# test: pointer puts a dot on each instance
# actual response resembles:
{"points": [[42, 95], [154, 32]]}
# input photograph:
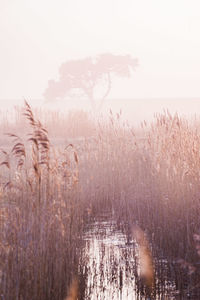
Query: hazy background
{"points": [[36, 36]]}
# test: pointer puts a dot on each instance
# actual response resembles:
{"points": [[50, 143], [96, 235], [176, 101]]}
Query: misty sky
{"points": [[36, 36]]}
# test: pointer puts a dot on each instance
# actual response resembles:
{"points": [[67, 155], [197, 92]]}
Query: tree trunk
{"points": [[106, 93]]}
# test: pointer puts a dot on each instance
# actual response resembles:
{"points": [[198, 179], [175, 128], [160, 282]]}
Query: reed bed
{"points": [[147, 178], [41, 219], [151, 179], [60, 125]]}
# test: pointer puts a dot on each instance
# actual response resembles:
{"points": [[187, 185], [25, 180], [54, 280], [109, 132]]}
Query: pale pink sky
{"points": [[36, 36]]}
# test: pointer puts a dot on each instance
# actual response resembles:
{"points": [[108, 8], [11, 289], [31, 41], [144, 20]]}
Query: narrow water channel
{"points": [[112, 268]]}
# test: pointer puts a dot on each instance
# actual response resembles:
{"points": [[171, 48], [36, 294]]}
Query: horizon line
{"points": [[113, 98]]}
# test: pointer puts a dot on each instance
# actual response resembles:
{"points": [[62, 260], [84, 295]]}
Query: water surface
{"points": [[111, 265]]}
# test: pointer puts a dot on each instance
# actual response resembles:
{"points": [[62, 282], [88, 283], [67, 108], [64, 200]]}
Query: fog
{"points": [[37, 37], [91, 207]]}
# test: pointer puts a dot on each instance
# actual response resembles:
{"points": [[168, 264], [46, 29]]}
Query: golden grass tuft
{"points": [[73, 290], [146, 265]]}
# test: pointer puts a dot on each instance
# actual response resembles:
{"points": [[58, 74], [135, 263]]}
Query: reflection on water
{"points": [[111, 266]]}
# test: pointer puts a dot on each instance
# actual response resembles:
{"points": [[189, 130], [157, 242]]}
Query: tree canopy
{"points": [[85, 75]]}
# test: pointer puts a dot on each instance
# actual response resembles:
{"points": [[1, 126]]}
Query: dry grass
{"points": [[70, 124], [150, 179], [41, 219]]}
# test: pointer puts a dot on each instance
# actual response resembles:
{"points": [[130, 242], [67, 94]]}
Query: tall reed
{"points": [[41, 219]]}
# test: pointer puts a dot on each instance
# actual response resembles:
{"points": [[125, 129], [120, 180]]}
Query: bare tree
{"points": [[89, 74]]}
